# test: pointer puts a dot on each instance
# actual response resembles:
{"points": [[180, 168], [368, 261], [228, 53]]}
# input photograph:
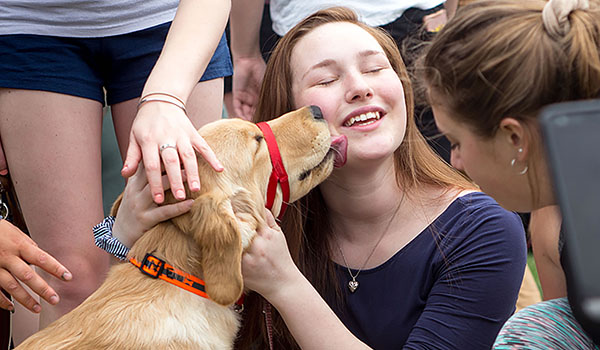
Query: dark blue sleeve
{"points": [[478, 284]]}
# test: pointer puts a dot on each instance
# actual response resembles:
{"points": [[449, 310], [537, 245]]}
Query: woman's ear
{"points": [[516, 134]]}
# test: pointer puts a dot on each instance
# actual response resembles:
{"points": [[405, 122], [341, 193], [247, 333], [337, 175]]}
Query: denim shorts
{"points": [[86, 67]]}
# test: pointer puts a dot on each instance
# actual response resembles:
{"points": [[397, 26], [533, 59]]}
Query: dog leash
{"points": [[278, 175], [268, 322], [158, 268]]}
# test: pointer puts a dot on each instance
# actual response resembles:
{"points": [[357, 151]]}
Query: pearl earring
{"points": [[514, 160]]}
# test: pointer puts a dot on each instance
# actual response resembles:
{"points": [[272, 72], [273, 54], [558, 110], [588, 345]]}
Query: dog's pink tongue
{"points": [[340, 146]]}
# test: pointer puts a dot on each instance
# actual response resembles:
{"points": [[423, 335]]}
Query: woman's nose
{"points": [[358, 88], [456, 161]]}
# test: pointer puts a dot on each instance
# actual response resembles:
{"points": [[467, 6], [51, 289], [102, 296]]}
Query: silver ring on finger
{"points": [[167, 145]]}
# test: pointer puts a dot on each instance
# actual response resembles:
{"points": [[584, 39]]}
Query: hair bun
{"points": [[556, 15]]}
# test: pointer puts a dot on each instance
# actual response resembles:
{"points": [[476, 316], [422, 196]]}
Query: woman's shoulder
{"points": [[475, 211], [474, 201], [451, 207], [476, 222]]}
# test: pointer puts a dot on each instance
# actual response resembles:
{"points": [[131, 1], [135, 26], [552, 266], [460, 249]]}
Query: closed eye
{"points": [[325, 82], [259, 139], [453, 144], [304, 175], [375, 70]]}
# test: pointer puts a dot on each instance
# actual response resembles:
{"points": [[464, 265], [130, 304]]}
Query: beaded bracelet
{"points": [[103, 238], [156, 97]]}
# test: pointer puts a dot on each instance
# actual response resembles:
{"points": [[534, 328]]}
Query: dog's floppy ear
{"points": [[219, 236]]}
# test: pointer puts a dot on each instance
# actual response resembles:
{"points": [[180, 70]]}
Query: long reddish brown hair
{"points": [[306, 223]]}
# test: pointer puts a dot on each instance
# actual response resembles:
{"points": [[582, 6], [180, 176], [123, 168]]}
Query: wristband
{"points": [[160, 97], [103, 237]]}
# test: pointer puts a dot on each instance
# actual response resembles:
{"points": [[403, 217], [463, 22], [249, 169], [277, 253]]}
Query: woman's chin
{"points": [[371, 151], [361, 160]]}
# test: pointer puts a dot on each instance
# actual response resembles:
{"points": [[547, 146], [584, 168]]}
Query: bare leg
{"points": [[52, 145], [25, 322], [228, 102], [205, 104]]}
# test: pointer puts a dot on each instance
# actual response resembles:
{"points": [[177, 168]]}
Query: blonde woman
{"points": [[489, 73]]}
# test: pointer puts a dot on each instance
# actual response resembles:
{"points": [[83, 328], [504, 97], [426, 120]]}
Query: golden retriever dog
{"points": [[133, 311]]}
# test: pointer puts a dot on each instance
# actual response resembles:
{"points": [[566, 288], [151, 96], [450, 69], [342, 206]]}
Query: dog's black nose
{"points": [[316, 112]]}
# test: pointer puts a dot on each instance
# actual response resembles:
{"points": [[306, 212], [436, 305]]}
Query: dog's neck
{"points": [[178, 249]]}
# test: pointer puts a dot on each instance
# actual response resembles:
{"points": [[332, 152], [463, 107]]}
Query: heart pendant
{"points": [[352, 285]]}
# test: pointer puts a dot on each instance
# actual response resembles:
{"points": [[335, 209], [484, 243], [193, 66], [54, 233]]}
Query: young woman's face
{"points": [[487, 161], [342, 69]]}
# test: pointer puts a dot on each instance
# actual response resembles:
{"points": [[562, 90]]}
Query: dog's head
{"points": [[230, 205], [306, 147]]}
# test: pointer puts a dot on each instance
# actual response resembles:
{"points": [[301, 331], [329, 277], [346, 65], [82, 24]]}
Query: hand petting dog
{"points": [[138, 212]]}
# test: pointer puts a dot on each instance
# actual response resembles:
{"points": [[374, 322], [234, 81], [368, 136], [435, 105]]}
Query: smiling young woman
{"points": [[395, 249]]}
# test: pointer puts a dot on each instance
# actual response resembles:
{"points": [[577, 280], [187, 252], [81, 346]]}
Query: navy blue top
{"points": [[451, 287]]}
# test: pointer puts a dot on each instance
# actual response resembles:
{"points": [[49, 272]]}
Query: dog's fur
{"points": [[133, 311]]}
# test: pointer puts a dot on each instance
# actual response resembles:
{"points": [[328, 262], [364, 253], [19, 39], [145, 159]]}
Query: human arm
{"points": [[248, 64], [436, 21], [192, 39], [17, 252], [544, 227], [451, 6], [275, 276]]}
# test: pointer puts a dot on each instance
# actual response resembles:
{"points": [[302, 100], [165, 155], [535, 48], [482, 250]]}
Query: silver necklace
{"points": [[353, 283]]}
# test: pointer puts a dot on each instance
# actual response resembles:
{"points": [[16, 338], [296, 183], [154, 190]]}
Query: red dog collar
{"points": [[157, 268], [278, 175]]}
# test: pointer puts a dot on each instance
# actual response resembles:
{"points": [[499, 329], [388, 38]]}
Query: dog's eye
{"points": [[304, 175], [259, 138]]}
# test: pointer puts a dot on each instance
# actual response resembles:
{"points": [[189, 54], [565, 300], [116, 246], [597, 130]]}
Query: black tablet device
{"points": [[571, 132]]}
